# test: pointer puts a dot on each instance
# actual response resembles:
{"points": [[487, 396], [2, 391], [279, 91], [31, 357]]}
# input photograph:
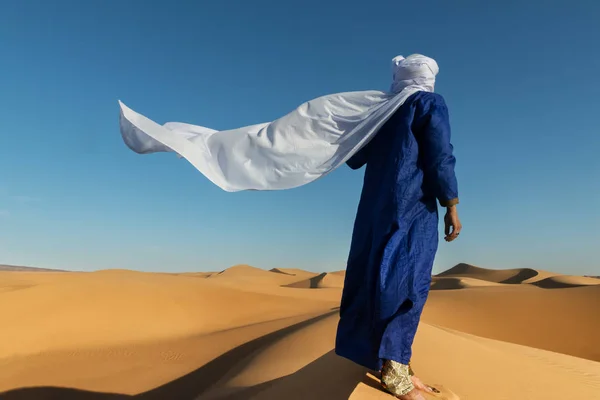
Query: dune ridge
{"points": [[321, 281], [505, 276], [565, 281], [454, 283], [281, 271], [18, 268]]}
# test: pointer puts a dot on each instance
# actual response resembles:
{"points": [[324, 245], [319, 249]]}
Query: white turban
{"points": [[415, 70]]}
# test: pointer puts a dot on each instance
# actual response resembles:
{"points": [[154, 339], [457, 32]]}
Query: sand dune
{"points": [[560, 320], [17, 268], [82, 310], [198, 274], [453, 283], [253, 274], [255, 280], [244, 271], [247, 333], [241, 276], [506, 276], [121, 272], [320, 281], [281, 271], [566, 281], [294, 272]]}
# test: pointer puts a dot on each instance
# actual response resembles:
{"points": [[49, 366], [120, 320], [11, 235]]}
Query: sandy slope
{"points": [[320, 281], [505, 276], [246, 333], [565, 281], [562, 320], [453, 283], [43, 311], [299, 273]]}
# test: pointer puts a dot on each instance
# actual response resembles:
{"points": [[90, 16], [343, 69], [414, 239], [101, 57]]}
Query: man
{"points": [[403, 136], [409, 166]]}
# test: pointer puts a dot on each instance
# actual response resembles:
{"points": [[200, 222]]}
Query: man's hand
{"points": [[452, 224]]}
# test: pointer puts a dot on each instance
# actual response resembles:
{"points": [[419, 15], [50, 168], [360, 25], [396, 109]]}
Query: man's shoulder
{"points": [[430, 99], [426, 103]]}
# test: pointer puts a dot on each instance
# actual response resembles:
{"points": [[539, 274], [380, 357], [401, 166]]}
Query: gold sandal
{"points": [[395, 378]]}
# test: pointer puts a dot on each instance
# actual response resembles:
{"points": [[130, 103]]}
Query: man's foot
{"points": [[396, 379], [414, 394], [399, 380], [420, 385]]}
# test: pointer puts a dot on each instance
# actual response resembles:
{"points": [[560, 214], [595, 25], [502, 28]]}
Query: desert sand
{"points": [[248, 333]]}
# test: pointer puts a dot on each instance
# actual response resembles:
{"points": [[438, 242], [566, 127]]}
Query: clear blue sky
{"points": [[520, 77]]}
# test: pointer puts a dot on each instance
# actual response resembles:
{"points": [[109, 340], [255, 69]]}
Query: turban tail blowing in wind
{"points": [[296, 149]]}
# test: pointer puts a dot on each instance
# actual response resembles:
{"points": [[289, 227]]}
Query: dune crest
{"points": [[18, 268], [298, 274], [197, 274], [321, 281], [452, 283], [566, 281], [505, 276], [281, 271], [117, 271], [243, 270]]}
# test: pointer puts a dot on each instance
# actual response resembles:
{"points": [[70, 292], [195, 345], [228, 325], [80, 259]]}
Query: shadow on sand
{"points": [[329, 377]]}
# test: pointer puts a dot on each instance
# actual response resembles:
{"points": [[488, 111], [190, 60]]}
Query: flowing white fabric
{"points": [[298, 148]]}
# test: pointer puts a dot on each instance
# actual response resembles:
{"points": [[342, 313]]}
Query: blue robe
{"points": [[410, 165]]}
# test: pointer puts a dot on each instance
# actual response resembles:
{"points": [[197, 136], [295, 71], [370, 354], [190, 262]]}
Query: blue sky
{"points": [[520, 78]]}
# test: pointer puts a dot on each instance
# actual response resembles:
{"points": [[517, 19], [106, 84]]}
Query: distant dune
{"points": [[453, 283], [245, 333], [280, 271], [197, 274], [320, 281], [300, 273], [118, 271], [505, 276], [244, 270], [566, 281], [248, 275], [247, 272], [27, 269]]}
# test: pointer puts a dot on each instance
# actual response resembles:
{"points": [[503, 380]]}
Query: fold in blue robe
{"points": [[409, 165]]}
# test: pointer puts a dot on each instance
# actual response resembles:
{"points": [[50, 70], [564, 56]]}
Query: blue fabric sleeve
{"points": [[359, 158], [433, 135]]}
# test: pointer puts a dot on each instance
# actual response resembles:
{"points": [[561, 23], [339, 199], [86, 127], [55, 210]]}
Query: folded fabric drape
{"points": [[298, 148]]}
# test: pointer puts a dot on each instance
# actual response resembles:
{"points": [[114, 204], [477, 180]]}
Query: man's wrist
{"points": [[449, 203]]}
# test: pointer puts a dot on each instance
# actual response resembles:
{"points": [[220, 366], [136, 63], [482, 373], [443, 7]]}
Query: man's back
{"points": [[395, 176]]}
